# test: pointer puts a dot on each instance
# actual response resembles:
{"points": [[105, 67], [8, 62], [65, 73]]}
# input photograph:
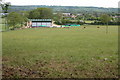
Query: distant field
{"points": [[61, 52], [89, 21], [86, 21]]}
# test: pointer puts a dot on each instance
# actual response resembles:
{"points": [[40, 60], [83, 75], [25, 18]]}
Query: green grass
{"points": [[60, 52]]}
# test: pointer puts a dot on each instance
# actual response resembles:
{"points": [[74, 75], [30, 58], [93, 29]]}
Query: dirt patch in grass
{"points": [[23, 72], [60, 69]]}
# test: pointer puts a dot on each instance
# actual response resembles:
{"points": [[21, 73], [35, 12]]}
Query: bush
{"points": [[11, 28]]}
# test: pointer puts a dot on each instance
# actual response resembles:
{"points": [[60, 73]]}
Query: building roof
{"points": [[40, 19]]}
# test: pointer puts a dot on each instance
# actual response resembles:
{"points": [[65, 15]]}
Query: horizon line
{"points": [[66, 6]]}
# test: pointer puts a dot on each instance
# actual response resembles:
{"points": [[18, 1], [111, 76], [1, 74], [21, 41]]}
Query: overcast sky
{"points": [[95, 3]]}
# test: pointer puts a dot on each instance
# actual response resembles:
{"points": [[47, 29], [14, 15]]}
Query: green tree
{"points": [[41, 13], [57, 18], [24, 13], [105, 19], [34, 14], [14, 19]]}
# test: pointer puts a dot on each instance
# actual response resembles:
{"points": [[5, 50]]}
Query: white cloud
{"points": [[97, 3]]}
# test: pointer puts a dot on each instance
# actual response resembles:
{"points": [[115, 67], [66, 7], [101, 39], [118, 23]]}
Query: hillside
{"points": [[71, 9]]}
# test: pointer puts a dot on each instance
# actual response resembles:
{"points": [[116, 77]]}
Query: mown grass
{"points": [[61, 52]]}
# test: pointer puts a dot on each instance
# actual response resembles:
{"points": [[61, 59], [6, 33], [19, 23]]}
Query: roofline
{"points": [[40, 19]]}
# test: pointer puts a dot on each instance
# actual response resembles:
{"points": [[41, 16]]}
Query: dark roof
{"points": [[40, 19]]}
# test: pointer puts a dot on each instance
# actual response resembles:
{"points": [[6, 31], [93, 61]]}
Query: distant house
{"points": [[69, 15], [79, 14], [66, 14], [73, 16], [40, 23]]}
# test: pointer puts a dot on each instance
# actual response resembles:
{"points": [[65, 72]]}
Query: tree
{"points": [[57, 18], [5, 7], [34, 14], [41, 13], [24, 15], [0, 7], [105, 19], [15, 18]]}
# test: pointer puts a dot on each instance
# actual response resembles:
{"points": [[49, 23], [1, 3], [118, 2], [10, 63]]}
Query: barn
{"points": [[41, 22]]}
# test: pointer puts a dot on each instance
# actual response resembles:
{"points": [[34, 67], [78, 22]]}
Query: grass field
{"points": [[61, 52]]}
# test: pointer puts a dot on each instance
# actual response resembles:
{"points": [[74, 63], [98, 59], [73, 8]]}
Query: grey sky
{"points": [[96, 3]]}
